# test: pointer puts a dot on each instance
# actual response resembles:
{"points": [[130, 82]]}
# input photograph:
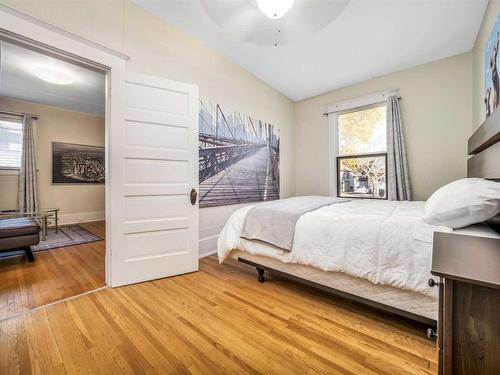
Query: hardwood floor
{"points": [[56, 274], [96, 227], [219, 320]]}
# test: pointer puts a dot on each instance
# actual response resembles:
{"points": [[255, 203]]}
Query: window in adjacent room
{"points": [[362, 152], [11, 142]]}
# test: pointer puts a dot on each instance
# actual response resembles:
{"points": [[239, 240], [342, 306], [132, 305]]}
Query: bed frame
{"points": [[380, 297], [484, 148]]}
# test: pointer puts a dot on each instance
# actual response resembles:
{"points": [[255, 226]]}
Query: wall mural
{"points": [[238, 157], [77, 164], [491, 77]]}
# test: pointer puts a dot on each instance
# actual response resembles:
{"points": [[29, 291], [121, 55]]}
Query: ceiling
{"points": [[18, 80], [365, 39]]}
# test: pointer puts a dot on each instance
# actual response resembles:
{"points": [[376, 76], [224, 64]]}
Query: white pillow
{"points": [[463, 202]]}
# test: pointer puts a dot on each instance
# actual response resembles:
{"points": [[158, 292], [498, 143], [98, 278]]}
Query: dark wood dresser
{"points": [[468, 333]]}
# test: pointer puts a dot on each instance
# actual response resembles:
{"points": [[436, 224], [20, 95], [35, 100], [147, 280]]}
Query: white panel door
{"points": [[158, 221]]}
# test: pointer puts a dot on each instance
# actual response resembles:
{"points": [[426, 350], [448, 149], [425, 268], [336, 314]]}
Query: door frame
{"points": [[31, 32]]}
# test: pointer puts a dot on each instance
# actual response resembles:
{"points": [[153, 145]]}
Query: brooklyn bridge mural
{"points": [[238, 157]]}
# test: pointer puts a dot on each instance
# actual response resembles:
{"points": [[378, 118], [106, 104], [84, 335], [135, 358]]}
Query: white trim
{"points": [[333, 150], [361, 101], [46, 25], [208, 254], [210, 232], [333, 111], [29, 30], [82, 217], [9, 171], [208, 244]]}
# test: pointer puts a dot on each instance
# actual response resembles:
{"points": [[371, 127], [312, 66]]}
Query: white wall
{"points": [[78, 203], [157, 48], [478, 107], [436, 111]]}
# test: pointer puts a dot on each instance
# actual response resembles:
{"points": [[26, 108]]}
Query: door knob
{"points": [[431, 334], [193, 196], [433, 283]]}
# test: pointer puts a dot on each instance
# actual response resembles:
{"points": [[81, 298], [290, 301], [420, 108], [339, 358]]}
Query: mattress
{"points": [[415, 302], [384, 242], [401, 299]]}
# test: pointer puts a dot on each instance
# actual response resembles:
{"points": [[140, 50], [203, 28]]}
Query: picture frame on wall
{"points": [[491, 70], [239, 157], [77, 164]]}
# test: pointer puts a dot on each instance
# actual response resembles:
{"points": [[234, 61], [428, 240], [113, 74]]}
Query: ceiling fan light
{"points": [[275, 8]]}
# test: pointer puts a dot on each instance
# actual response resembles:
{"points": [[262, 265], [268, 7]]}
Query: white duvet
{"points": [[385, 242]]}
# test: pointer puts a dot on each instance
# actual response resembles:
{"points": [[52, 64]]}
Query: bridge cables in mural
{"points": [[239, 157]]}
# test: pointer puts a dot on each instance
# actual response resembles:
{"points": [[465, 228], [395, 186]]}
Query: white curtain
{"points": [[398, 180], [28, 188]]}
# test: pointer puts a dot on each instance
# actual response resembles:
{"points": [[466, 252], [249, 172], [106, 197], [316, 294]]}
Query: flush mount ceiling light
{"points": [[272, 22], [275, 8], [53, 74]]}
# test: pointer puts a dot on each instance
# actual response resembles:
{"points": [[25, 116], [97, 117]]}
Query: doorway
{"points": [[152, 160], [52, 175]]}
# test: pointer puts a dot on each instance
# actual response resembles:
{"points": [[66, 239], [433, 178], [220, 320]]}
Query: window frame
{"points": [[359, 156], [333, 112], [5, 170]]}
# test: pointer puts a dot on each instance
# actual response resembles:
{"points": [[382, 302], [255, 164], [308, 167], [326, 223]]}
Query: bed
{"points": [[374, 252]]}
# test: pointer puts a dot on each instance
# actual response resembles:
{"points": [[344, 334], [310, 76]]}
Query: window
{"points": [[11, 142], [362, 152]]}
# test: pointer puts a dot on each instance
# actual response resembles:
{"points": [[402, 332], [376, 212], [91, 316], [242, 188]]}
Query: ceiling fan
{"points": [[272, 22]]}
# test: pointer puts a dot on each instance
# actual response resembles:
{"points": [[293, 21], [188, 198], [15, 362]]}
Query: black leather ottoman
{"points": [[19, 234]]}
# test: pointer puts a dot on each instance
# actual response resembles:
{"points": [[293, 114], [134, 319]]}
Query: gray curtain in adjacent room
{"points": [[28, 188], [398, 181]]}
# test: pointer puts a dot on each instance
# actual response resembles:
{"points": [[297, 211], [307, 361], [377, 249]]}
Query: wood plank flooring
{"points": [[56, 274], [219, 320]]}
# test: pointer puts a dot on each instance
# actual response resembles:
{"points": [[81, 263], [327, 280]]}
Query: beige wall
{"points": [[478, 107], [436, 110], [78, 203], [159, 49], [436, 103]]}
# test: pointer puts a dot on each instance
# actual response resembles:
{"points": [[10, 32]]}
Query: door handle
{"points": [[193, 196]]}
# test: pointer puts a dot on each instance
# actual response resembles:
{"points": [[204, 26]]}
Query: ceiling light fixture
{"points": [[275, 8], [53, 75], [246, 20]]}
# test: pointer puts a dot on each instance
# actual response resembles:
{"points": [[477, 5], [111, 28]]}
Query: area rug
{"points": [[67, 235]]}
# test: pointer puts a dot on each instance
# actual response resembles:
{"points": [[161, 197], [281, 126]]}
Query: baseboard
{"points": [[208, 254], [208, 245], [82, 217], [206, 233]]}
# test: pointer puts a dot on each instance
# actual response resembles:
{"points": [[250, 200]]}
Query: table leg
{"points": [[57, 227], [44, 228]]}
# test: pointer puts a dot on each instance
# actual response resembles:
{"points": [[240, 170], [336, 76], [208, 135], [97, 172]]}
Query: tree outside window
{"points": [[362, 153]]}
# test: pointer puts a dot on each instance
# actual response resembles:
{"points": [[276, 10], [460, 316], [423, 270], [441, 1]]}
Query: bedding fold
{"points": [[385, 242], [274, 222]]}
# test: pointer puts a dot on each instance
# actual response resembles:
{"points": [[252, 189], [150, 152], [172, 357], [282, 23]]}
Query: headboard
{"points": [[484, 146]]}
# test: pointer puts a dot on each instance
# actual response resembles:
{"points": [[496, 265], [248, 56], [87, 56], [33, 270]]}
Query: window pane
{"points": [[362, 177], [363, 131], [11, 140]]}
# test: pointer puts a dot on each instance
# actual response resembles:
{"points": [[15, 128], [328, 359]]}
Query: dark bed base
{"points": [[351, 297]]}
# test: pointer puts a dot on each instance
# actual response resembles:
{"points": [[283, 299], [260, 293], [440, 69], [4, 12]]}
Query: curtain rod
{"points": [[19, 114], [329, 113]]}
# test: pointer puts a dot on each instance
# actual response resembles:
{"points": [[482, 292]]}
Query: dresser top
{"points": [[472, 259]]}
